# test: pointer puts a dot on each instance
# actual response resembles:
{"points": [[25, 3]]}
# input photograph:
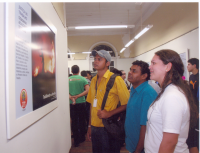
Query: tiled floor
{"points": [[86, 147]]}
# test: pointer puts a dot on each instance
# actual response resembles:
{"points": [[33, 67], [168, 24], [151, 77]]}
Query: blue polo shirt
{"points": [[136, 113]]}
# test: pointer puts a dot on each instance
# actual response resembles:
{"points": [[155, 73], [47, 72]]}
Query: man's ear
{"points": [[144, 76], [107, 63]]}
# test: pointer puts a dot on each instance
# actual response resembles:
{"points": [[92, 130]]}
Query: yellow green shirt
{"points": [[118, 92]]}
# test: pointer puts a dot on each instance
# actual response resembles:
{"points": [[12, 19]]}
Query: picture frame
{"points": [[20, 93]]}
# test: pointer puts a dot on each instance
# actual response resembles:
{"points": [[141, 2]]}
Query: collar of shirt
{"points": [[139, 88], [105, 75]]}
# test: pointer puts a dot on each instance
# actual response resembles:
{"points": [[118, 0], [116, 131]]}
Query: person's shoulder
{"points": [[83, 79], [71, 77], [149, 89], [192, 75], [173, 91], [119, 78]]}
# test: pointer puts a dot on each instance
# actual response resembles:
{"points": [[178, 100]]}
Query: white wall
{"points": [[83, 64], [51, 134], [180, 45]]}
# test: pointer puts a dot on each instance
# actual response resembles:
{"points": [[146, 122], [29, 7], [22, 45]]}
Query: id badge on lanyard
{"points": [[95, 102], [95, 99]]}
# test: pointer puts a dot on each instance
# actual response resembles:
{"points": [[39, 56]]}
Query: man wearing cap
{"points": [[102, 141]]}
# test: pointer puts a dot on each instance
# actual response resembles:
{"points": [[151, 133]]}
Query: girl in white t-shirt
{"points": [[173, 111]]}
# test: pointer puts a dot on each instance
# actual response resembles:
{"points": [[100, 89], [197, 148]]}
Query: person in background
{"points": [[102, 141], [124, 78], [84, 74], [89, 75], [87, 105], [116, 71], [78, 88], [193, 67], [141, 97], [155, 86], [193, 138], [170, 115]]}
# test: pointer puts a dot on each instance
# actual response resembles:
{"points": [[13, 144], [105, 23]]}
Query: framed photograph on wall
{"points": [[30, 67]]}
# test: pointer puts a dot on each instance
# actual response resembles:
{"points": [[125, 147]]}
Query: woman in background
{"points": [[174, 110]]}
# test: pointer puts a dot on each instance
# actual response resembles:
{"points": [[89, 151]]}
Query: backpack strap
{"points": [[108, 87]]}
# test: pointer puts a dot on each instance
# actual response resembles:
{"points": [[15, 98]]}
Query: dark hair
{"points": [[83, 73], [88, 72], [75, 69], [116, 71], [108, 65], [175, 76], [122, 72], [144, 67], [194, 61]]}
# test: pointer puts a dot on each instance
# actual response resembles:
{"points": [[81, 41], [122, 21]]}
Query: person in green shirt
{"points": [[78, 88]]}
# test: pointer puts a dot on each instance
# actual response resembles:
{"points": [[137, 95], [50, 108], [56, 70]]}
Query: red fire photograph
{"points": [[43, 63]]}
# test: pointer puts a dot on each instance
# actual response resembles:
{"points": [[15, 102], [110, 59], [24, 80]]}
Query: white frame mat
{"points": [[16, 125]]}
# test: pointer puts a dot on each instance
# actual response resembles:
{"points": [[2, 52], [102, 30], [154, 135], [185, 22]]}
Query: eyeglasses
{"points": [[123, 73]]}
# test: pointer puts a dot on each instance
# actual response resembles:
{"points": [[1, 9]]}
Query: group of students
{"points": [[155, 123]]}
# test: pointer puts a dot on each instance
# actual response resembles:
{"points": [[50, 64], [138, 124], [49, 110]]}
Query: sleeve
{"points": [[122, 90], [172, 110], [89, 95], [85, 82], [146, 102]]}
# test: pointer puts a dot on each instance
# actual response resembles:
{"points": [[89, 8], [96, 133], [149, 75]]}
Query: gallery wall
{"points": [[50, 134], [170, 21], [182, 44]]}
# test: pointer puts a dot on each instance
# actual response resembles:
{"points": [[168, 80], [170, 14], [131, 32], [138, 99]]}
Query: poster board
{"points": [[184, 58], [30, 67]]}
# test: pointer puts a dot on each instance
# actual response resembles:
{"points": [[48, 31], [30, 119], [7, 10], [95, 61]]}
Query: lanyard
{"points": [[96, 88]]}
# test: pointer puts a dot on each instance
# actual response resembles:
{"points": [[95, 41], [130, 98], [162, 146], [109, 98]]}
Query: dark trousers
{"points": [[87, 114], [103, 142], [77, 114], [193, 137]]}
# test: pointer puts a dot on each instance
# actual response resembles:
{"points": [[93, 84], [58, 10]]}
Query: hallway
{"points": [[86, 147]]}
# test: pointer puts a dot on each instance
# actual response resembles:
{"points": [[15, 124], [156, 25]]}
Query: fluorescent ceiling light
{"points": [[122, 50], [129, 43], [70, 53], [101, 27], [86, 52], [143, 31]]}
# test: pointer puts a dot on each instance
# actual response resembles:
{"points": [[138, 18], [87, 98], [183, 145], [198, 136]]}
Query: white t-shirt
{"points": [[169, 114]]}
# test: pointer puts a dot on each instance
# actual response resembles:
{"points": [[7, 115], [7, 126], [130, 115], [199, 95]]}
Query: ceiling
{"points": [[95, 13], [170, 20]]}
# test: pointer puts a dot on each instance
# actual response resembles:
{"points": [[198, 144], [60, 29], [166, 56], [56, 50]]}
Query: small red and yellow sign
{"points": [[23, 98]]}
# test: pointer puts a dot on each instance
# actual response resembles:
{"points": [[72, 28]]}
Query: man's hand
{"points": [[89, 133], [103, 114], [75, 97], [72, 98]]}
